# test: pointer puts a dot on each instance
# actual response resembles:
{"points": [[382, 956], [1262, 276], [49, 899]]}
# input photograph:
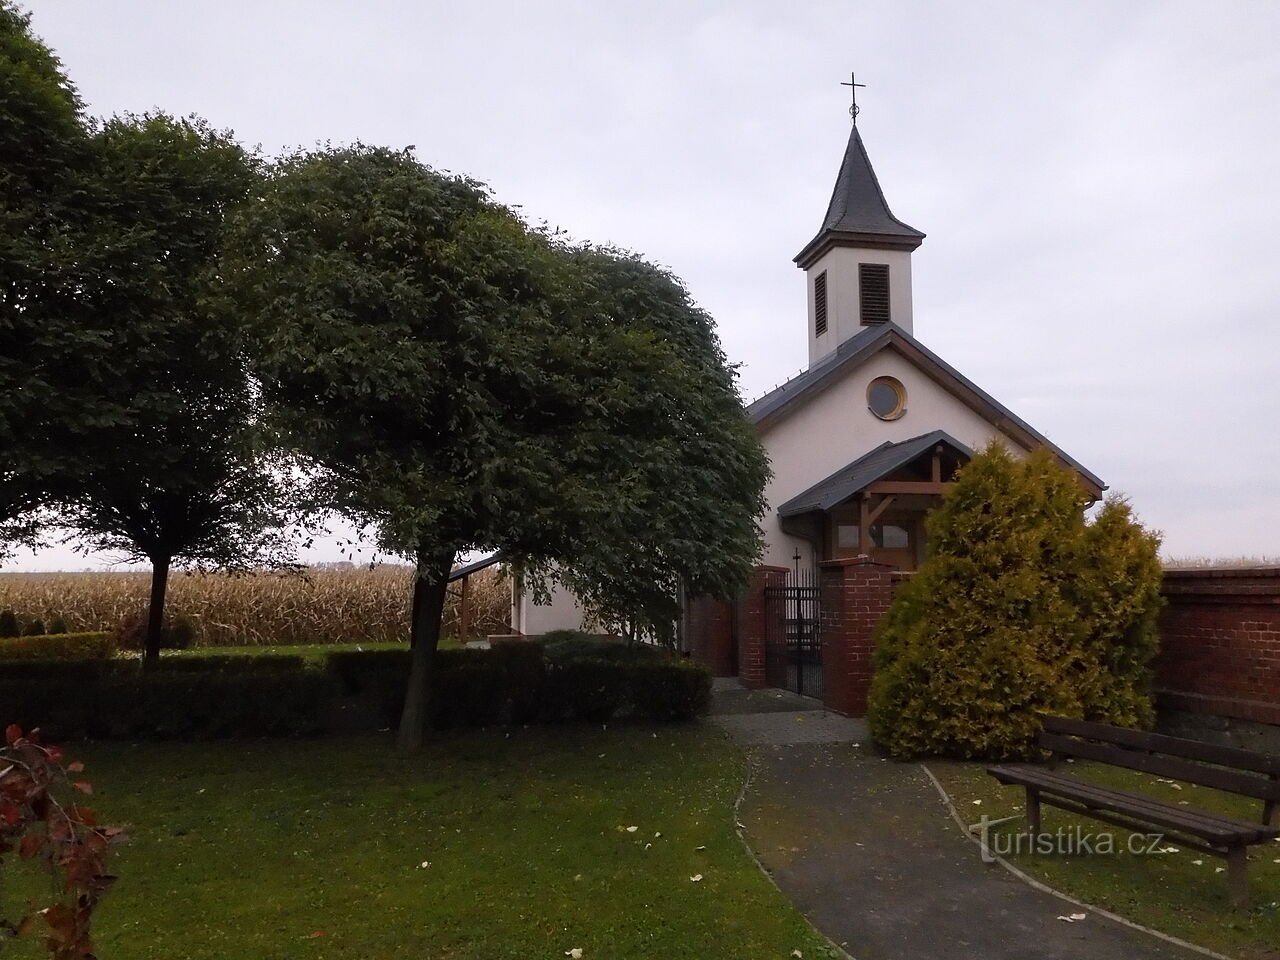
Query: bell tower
{"points": [[858, 266]]}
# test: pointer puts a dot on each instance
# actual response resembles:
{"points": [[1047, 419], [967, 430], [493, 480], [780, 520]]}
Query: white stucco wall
{"points": [[835, 428], [532, 619], [841, 266]]}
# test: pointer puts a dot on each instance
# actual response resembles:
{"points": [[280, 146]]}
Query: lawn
{"points": [[1181, 893], [492, 844]]}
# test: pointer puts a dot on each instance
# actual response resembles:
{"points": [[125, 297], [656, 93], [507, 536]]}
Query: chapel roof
{"points": [[784, 400], [867, 469], [858, 213]]}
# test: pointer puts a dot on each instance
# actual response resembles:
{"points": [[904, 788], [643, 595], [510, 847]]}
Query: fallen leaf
{"points": [[315, 935], [1198, 863], [575, 953], [696, 878], [1078, 916], [632, 829], [797, 954]]}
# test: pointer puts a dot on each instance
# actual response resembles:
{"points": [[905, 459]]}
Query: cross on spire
{"points": [[853, 86]]}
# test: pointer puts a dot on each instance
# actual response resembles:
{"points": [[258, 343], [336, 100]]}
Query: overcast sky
{"points": [[1099, 182]]}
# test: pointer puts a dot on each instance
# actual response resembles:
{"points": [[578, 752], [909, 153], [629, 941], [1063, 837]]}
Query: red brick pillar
{"points": [[710, 634], [856, 592], [751, 624]]}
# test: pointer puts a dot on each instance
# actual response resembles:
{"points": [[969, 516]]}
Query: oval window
{"points": [[886, 398]]}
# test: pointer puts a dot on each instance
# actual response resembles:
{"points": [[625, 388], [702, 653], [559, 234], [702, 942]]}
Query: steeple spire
{"points": [[858, 214]]}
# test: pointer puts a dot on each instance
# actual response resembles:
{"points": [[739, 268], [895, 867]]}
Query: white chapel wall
{"points": [[835, 428], [533, 619]]}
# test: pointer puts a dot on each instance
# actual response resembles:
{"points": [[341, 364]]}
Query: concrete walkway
{"points": [[868, 851]]}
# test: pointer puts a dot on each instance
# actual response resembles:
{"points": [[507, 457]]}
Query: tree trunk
{"points": [[429, 589], [415, 606], [155, 612]]}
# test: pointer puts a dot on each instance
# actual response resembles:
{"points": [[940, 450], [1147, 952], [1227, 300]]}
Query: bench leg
{"points": [[1033, 811], [1238, 877]]}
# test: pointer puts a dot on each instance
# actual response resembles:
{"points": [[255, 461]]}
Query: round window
{"points": [[887, 398]]}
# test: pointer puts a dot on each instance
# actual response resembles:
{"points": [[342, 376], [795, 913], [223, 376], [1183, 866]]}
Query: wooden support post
{"points": [[864, 526], [1033, 811], [1238, 877], [464, 613], [937, 464], [881, 507]]}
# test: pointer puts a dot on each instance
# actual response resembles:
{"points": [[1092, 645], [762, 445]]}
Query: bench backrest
{"points": [[1247, 773]]}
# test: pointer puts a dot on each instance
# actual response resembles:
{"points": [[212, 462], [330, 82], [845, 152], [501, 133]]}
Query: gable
{"points": [[939, 397]]}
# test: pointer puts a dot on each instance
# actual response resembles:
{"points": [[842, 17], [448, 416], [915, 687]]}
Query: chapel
{"points": [[863, 442]]}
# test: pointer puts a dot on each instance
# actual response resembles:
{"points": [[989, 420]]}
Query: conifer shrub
{"points": [[34, 628], [1022, 607], [57, 625]]}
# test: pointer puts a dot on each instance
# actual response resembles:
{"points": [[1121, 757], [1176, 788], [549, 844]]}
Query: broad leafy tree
{"points": [[447, 374], [669, 446], [177, 469], [43, 234]]}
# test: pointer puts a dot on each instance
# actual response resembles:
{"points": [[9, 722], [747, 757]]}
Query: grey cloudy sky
{"points": [[1098, 181]]}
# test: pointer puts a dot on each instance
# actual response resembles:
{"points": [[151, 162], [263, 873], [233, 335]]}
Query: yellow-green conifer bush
{"points": [[1021, 607]]}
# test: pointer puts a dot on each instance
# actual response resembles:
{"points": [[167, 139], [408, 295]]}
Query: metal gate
{"points": [[793, 644]]}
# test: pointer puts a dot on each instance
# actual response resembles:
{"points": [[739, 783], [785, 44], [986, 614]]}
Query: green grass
{"points": [[1169, 892], [316, 849]]}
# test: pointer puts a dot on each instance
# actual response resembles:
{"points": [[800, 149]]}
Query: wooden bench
{"points": [[1229, 769]]}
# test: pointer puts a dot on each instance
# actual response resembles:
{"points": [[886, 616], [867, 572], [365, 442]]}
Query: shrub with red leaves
{"points": [[38, 820]]}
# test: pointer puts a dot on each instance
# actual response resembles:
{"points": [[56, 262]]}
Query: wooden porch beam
{"points": [[881, 507], [908, 486]]}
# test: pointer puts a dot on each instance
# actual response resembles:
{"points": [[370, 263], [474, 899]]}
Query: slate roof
{"points": [[865, 344], [858, 211], [866, 470]]}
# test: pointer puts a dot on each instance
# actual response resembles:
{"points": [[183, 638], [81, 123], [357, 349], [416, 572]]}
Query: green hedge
{"points": [[174, 705], [56, 646], [244, 696]]}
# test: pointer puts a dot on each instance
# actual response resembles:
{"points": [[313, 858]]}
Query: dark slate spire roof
{"points": [[858, 213]]}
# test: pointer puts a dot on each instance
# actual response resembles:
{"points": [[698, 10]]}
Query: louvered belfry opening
{"points": [[820, 304], [873, 292]]}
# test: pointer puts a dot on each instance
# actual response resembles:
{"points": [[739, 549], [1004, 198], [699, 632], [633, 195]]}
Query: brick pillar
{"points": [[710, 635], [856, 592], [751, 624]]}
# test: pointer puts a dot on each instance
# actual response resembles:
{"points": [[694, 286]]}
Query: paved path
{"points": [[866, 848]]}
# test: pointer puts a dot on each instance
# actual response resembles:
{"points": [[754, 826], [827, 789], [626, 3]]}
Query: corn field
{"points": [[318, 605]]}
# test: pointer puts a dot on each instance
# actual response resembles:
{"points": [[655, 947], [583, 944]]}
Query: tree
{"points": [[43, 153], [176, 468], [1021, 607], [435, 361], [681, 464]]}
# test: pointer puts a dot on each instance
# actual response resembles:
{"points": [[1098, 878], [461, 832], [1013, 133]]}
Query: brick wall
{"points": [[750, 623], [1220, 643], [856, 592], [709, 633]]}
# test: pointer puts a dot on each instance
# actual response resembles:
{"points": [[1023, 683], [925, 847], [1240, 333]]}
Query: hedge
{"points": [[51, 646], [224, 696], [174, 705]]}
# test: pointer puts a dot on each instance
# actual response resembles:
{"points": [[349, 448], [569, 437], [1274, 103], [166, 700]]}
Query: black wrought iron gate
{"points": [[793, 643]]}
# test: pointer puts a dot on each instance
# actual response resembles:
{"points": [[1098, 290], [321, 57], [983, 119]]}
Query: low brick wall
{"points": [[1220, 643], [709, 634]]}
